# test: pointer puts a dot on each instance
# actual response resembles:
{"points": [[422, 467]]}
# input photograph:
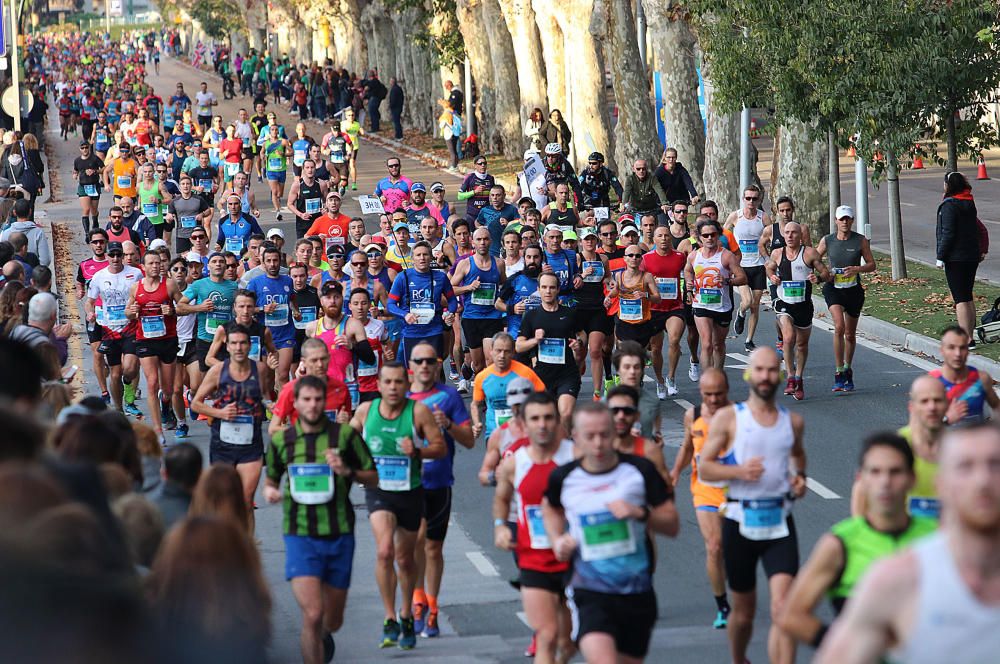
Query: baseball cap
{"points": [[518, 391], [570, 235], [192, 257], [418, 186], [335, 250], [629, 228], [334, 193], [331, 287], [84, 144], [587, 232], [373, 246], [115, 247], [157, 243], [844, 211], [275, 232], [437, 186], [399, 225]]}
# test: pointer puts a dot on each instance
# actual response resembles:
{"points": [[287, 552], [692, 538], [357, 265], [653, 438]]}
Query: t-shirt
{"points": [[186, 211], [80, 165], [490, 386], [437, 473], [396, 193], [337, 399], [333, 229], [277, 290], [204, 102], [554, 356], [222, 294], [112, 290]]}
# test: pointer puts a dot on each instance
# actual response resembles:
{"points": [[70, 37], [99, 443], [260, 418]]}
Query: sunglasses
{"points": [[642, 168], [611, 234], [98, 241], [751, 198], [178, 269], [424, 360], [633, 255], [353, 264], [199, 237], [393, 165], [627, 410], [115, 254], [524, 390], [374, 254], [708, 235]]}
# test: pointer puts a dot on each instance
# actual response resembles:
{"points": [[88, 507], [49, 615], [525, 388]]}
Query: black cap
{"points": [[84, 144], [331, 287], [335, 250], [115, 247]]}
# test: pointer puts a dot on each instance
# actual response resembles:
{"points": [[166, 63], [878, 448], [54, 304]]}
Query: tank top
{"points": [[245, 429], [709, 282], [668, 274], [310, 199], [795, 287], [257, 332], [396, 471], [970, 390], [563, 263], [274, 156], [534, 551], [676, 241], [368, 373], [567, 217], [761, 502], [148, 204], [777, 239], [633, 308], [124, 178], [152, 323], [699, 434], [748, 232], [341, 357], [923, 498], [844, 253], [591, 293], [949, 618], [478, 304], [121, 236]]}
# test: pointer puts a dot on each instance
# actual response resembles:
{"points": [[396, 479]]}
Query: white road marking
{"points": [[684, 403], [523, 617], [482, 563], [820, 490]]}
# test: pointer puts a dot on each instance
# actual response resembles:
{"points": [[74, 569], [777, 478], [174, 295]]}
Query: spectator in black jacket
{"points": [[375, 92], [958, 245], [396, 98], [675, 179]]}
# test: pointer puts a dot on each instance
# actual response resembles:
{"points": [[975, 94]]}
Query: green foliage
{"points": [[218, 18], [443, 41], [881, 71]]}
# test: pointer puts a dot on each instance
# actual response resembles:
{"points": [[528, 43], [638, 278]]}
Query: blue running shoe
{"points": [[408, 637], [131, 409], [419, 611], [431, 628], [838, 381], [181, 433], [721, 620], [390, 633], [849, 380]]}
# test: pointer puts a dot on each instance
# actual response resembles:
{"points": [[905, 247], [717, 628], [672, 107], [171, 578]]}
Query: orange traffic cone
{"points": [[981, 175], [851, 152], [753, 127], [918, 161]]}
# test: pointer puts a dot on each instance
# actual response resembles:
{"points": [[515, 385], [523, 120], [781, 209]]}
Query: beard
{"points": [[764, 390], [532, 271]]}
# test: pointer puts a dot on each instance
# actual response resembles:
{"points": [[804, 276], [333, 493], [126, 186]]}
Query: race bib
{"points": [[601, 213], [366, 369], [278, 317], [924, 506], [605, 536], [312, 205], [749, 246], [254, 353], [424, 311], [100, 138], [630, 310], [710, 296], [536, 528], [330, 241], [298, 157], [552, 351], [124, 182], [308, 316], [763, 519], [90, 190], [213, 319], [485, 295], [205, 184], [793, 292], [667, 287], [114, 316], [393, 473], [597, 275], [311, 483], [153, 327], [232, 169], [275, 164], [237, 431], [235, 245], [150, 209], [337, 158], [99, 318], [189, 221], [501, 415], [842, 280]]}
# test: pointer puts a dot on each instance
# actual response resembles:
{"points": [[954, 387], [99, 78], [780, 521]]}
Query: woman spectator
{"points": [[958, 246], [10, 314], [220, 493], [208, 595], [555, 130], [151, 456], [20, 312], [533, 130], [451, 131]]}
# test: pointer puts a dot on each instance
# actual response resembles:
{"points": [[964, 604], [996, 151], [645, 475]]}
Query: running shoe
{"points": [[849, 380], [740, 323], [721, 620], [329, 648], [130, 409], [431, 628], [790, 386], [354, 187], [838, 382], [181, 433], [597, 396], [671, 387], [799, 393], [749, 346], [419, 611], [694, 372], [661, 391], [408, 636], [532, 647], [106, 398], [390, 633], [463, 386], [609, 384]]}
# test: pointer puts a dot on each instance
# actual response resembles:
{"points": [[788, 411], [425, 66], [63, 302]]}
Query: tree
{"points": [[218, 18]]}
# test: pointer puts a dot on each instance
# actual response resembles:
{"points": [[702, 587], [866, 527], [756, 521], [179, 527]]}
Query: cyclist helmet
{"points": [[553, 148], [596, 156]]}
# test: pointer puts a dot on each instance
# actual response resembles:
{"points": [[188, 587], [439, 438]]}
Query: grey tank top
{"points": [[843, 253]]}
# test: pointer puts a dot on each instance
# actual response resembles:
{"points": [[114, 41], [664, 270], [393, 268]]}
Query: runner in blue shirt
{"points": [[520, 292], [278, 311], [416, 298], [495, 217], [236, 228], [212, 299]]}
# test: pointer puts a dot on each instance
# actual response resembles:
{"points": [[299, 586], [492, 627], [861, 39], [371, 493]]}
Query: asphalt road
{"points": [[480, 620]]}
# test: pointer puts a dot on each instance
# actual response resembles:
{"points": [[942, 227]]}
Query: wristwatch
{"points": [[499, 522]]}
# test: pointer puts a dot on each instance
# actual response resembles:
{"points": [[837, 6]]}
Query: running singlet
{"points": [[534, 551], [970, 390], [711, 291], [705, 495], [923, 497], [113, 291], [153, 323], [747, 233], [844, 253], [396, 471], [244, 429], [795, 287], [478, 304]]}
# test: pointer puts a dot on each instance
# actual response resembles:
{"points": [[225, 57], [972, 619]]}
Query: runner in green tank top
{"points": [[842, 556], [400, 433], [352, 128], [150, 196]]}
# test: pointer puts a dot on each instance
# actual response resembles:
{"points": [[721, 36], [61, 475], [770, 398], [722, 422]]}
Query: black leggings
{"points": [[961, 276]]}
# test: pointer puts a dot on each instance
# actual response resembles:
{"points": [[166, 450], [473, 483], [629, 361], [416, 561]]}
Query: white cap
{"points": [[192, 257], [157, 243], [276, 232], [844, 211]]}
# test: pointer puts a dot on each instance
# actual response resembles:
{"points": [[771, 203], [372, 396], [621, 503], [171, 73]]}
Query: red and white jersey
{"points": [[377, 335], [534, 551]]}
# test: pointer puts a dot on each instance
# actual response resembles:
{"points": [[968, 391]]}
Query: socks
{"points": [[419, 597], [607, 366], [432, 604], [95, 221], [722, 603]]}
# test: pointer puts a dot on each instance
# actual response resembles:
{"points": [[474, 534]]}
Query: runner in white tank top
{"points": [[747, 233], [939, 601]]}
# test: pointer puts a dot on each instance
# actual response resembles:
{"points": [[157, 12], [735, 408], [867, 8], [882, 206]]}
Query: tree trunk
{"points": [[635, 133], [470, 22], [349, 43], [520, 19], [722, 170], [587, 113], [506, 135], [382, 47], [674, 49], [802, 174], [553, 53], [952, 131], [896, 251]]}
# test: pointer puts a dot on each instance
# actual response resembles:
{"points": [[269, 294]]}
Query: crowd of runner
{"points": [[355, 355]]}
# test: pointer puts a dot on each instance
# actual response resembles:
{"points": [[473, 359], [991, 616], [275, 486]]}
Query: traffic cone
{"points": [[851, 152], [981, 175], [918, 161]]}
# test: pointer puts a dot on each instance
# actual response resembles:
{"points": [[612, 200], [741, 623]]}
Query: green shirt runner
{"points": [[396, 471]]}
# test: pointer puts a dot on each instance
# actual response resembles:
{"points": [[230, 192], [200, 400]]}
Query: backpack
{"points": [[989, 331]]}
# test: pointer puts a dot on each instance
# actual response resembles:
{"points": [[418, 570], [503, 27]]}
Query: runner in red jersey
{"points": [[666, 264], [98, 240]]}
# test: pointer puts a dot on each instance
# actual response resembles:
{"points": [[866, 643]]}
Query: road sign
{"points": [[371, 205], [9, 102]]}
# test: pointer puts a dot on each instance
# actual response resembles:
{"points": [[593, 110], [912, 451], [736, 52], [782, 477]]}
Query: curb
{"points": [[879, 330]]}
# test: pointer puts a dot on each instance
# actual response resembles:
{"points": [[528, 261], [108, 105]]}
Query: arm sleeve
{"points": [[457, 412], [363, 351], [221, 239]]}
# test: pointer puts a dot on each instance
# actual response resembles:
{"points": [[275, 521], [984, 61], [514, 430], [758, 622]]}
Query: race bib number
{"points": [[312, 205], [235, 245], [124, 181], [114, 316], [311, 483], [424, 311], [232, 169], [667, 287], [90, 190], [843, 280], [308, 316], [150, 209], [630, 310], [749, 246], [153, 327], [597, 275], [254, 353], [330, 241], [237, 431], [371, 205], [275, 164], [763, 519], [536, 528], [189, 221], [367, 369], [710, 296], [205, 184], [278, 317], [552, 351], [213, 319], [485, 295], [393, 473], [924, 506], [601, 213], [100, 138], [793, 292], [501, 415], [298, 157], [605, 536]]}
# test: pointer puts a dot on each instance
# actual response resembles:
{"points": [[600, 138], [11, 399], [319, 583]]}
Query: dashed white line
{"points": [[821, 490], [523, 617], [482, 563], [684, 403]]}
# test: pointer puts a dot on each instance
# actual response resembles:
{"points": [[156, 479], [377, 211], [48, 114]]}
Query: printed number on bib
{"points": [[189, 221], [842, 280], [748, 246], [254, 353], [552, 351], [605, 536], [485, 295], [393, 473], [213, 319], [234, 244], [275, 164], [630, 310], [763, 519], [598, 273], [308, 316], [667, 287], [312, 205], [237, 431], [311, 483], [124, 182], [278, 317], [501, 415], [793, 292], [366, 369], [150, 209], [153, 327], [424, 311], [114, 316], [709, 296], [90, 190]]}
